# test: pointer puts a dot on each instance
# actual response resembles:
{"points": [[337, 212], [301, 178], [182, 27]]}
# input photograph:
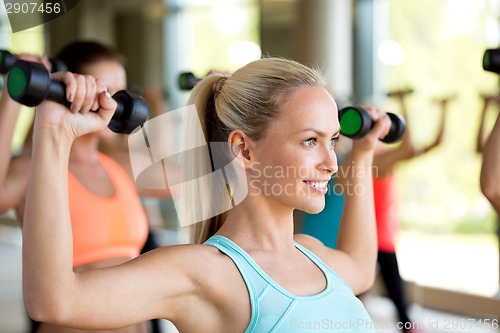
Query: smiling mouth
{"points": [[317, 185]]}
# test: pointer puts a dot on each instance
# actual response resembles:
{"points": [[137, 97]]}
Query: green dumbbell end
{"points": [[183, 81], [351, 122], [17, 82]]}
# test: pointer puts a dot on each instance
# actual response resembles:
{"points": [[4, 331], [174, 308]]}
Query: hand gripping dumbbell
{"points": [[187, 81], [29, 83], [355, 122], [7, 59]]}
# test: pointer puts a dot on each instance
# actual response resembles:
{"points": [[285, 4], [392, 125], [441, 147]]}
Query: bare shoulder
{"points": [[13, 189], [340, 262], [335, 259], [312, 244], [205, 266], [210, 283], [194, 257], [306, 240]]}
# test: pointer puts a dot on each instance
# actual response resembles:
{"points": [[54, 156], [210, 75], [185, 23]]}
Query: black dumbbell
{"points": [[355, 122], [29, 83], [187, 81], [491, 60], [7, 59]]}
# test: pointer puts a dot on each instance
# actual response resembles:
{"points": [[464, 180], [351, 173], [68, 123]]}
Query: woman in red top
{"points": [[386, 207]]}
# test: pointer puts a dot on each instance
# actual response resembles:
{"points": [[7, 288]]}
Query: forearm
{"points": [[47, 238], [11, 194], [357, 234], [9, 111], [407, 143]]}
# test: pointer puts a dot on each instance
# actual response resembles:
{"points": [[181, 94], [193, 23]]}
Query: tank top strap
{"points": [[242, 260], [270, 303], [328, 271]]}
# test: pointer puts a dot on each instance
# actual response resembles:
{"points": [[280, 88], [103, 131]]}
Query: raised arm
{"points": [[355, 257], [357, 234], [386, 161], [487, 100], [9, 111], [443, 106], [13, 180], [490, 169], [144, 288]]}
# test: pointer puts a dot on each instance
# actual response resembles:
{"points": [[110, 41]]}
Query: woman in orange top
{"points": [[108, 222], [386, 207]]}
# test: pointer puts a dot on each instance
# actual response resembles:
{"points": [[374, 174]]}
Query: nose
{"points": [[329, 162]]}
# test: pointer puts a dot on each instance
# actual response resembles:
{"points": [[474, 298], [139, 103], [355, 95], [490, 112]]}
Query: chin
{"points": [[313, 209]]}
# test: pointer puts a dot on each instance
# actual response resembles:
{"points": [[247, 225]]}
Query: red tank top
{"points": [[386, 212], [104, 228]]}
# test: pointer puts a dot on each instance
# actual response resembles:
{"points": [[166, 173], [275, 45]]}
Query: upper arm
{"points": [[13, 190], [146, 287], [340, 262]]}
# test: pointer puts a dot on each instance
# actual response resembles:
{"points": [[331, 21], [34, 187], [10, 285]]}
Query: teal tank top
{"points": [[274, 309]]}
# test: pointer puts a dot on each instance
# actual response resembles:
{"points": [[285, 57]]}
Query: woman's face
{"points": [[296, 159]]}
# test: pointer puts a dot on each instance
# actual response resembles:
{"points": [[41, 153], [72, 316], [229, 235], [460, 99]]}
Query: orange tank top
{"points": [[386, 212], [105, 228]]}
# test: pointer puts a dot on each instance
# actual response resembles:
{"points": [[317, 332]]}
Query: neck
{"points": [[84, 149], [260, 221]]}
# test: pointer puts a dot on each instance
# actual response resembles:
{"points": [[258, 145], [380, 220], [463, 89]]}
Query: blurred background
{"points": [[448, 249]]}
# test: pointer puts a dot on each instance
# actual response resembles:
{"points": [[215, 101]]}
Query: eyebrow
{"points": [[320, 133]]}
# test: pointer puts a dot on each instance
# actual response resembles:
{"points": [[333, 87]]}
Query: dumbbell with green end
{"points": [[29, 83], [8, 59], [355, 123], [187, 81]]}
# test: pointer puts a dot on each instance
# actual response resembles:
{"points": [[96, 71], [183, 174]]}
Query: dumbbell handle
{"points": [[57, 93], [29, 83]]}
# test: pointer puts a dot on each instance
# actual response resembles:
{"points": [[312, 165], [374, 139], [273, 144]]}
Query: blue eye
{"points": [[310, 142], [333, 141]]}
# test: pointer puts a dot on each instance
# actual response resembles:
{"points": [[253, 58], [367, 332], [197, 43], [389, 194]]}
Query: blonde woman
{"points": [[249, 272]]}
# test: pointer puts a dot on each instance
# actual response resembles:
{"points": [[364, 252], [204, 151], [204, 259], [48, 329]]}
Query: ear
{"points": [[240, 143]]}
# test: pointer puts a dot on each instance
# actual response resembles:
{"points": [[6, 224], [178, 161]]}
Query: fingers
{"points": [[90, 94], [46, 62], [69, 81], [82, 91], [100, 87], [382, 122], [107, 106], [29, 57]]}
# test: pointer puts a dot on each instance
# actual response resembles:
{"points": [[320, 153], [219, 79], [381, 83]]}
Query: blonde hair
{"points": [[248, 100]]}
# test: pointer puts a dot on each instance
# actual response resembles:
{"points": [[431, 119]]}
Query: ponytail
{"points": [[200, 197]]}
